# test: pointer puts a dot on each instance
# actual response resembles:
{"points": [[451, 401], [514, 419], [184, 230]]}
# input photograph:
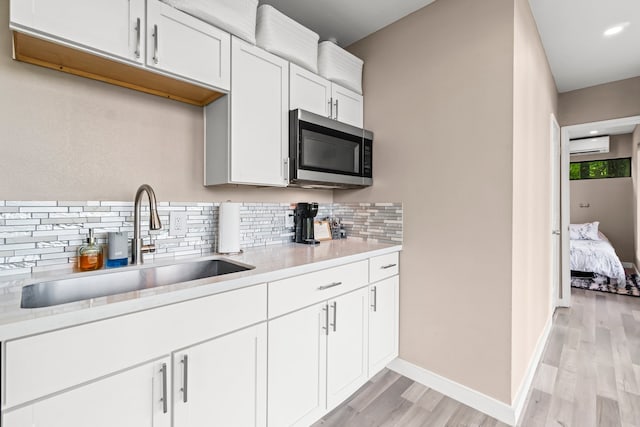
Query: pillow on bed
{"points": [[587, 231]]}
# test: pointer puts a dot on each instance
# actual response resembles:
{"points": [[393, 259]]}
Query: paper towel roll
{"points": [[229, 228]]}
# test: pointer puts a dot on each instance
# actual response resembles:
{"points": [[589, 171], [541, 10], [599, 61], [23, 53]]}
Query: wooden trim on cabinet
{"points": [[69, 60]]}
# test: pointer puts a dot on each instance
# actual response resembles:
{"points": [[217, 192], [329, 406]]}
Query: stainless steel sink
{"points": [[62, 291]]}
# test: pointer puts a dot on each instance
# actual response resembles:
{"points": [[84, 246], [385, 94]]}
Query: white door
{"points": [[347, 345], [297, 367], [347, 106], [136, 397], [113, 27], [383, 323], [223, 382], [187, 47], [309, 91], [259, 116], [556, 233]]}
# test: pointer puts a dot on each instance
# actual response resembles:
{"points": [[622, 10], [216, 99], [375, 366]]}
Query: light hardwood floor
{"points": [[589, 376]]}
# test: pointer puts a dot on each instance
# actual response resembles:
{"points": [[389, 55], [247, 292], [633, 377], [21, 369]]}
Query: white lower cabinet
{"points": [[317, 358], [347, 346], [297, 367], [136, 397], [383, 323], [222, 382]]}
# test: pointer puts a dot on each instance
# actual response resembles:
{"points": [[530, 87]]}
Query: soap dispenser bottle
{"points": [[90, 255]]}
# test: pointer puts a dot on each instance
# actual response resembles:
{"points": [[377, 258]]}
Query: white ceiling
{"points": [[346, 21], [571, 31], [578, 52]]}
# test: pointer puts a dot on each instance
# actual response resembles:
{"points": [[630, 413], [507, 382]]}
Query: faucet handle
{"points": [[150, 248]]}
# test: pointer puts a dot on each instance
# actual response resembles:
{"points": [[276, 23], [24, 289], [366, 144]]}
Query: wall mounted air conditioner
{"points": [[592, 145]]}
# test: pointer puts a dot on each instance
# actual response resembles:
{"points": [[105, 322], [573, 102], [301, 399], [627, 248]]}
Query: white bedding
{"points": [[597, 256]]}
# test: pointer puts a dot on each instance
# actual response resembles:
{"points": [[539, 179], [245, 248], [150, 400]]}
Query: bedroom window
{"points": [[596, 169]]}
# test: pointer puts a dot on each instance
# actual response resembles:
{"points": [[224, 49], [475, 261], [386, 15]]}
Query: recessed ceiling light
{"points": [[616, 29], [593, 132]]}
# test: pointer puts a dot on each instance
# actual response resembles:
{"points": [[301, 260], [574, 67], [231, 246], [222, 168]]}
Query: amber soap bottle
{"points": [[90, 255]]}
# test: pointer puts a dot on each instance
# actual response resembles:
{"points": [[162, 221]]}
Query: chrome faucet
{"points": [[137, 246]]}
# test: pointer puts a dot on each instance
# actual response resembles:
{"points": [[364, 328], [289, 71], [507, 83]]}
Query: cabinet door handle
{"points": [[375, 298], [285, 170], [384, 267], [164, 387], [185, 377], [330, 102], [138, 29], [334, 284], [334, 305], [326, 319], [336, 115], [155, 44]]}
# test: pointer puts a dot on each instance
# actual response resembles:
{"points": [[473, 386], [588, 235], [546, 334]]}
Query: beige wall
{"points": [[610, 200], [63, 137], [439, 98], [603, 102], [535, 99]]}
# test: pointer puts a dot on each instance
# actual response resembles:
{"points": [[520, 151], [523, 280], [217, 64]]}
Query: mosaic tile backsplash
{"points": [[39, 236]]}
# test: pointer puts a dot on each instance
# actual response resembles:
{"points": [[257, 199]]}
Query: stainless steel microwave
{"points": [[326, 153]]}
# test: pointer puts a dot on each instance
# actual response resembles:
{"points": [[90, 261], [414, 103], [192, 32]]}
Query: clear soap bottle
{"points": [[90, 255]]}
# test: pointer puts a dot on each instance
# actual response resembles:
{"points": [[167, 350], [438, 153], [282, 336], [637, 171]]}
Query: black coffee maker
{"points": [[303, 218]]}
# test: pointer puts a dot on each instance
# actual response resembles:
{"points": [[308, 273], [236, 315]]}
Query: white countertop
{"points": [[271, 263]]}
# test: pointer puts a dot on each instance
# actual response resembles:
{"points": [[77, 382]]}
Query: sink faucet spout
{"points": [[137, 246]]}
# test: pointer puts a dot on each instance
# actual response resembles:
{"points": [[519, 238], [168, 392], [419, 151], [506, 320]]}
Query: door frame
{"points": [[566, 132], [556, 178]]}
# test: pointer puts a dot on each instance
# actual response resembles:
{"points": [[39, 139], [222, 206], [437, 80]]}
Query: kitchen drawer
{"points": [[383, 266], [42, 364], [300, 291]]}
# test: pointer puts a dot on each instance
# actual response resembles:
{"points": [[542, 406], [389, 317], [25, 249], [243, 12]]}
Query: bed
{"points": [[591, 252]]}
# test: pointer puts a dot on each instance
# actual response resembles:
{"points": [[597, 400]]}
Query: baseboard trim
{"points": [[523, 392], [483, 403], [508, 414], [629, 265]]}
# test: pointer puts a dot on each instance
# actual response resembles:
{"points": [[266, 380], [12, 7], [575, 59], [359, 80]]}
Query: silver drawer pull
{"points": [[334, 284], [384, 267]]}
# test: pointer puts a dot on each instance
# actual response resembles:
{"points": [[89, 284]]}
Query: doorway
{"points": [[614, 126]]}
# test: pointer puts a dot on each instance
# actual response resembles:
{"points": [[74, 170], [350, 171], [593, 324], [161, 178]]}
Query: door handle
{"points": [[556, 232], [326, 319], [155, 44], [336, 115], [330, 102], [375, 298], [334, 305], [163, 370], [138, 29], [185, 377]]}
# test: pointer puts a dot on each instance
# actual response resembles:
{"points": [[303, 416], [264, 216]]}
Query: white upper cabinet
{"points": [[187, 47], [318, 95], [111, 27], [309, 91], [347, 106], [256, 149]]}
